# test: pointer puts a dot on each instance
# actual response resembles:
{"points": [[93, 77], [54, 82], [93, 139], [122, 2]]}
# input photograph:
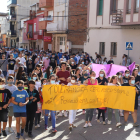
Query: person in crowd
{"points": [[46, 62], [131, 82], [63, 76], [20, 99], [1, 74], [73, 66], [126, 77], [37, 60], [44, 56], [21, 75], [29, 64], [137, 66], [72, 113], [10, 66], [3, 65], [53, 61], [86, 60], [4, 103], [37, 81], [110, 61], [77, 73], [46, 112], [56, 70], [60, 54], [124, 62], [104, 62], [89, 112], [137, 77], [49, 71], [68, 68], [38, 71], [77, 57], [102, 78], [22, 59], [11, 87], [102, 111], [114, 82], [31, 107]]}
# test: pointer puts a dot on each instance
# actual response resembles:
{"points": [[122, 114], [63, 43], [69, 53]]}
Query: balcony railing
{"points": [[11, 33], [11, 17], [117, 17], [59, 26], [35, 35]]}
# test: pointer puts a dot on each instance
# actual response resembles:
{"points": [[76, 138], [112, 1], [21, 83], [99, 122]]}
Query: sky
{"points": [[3, 6]]}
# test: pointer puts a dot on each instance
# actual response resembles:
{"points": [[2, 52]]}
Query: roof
{"points": [[3, 14]]}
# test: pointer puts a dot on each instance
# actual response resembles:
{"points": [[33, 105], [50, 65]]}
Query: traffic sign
{"points": [[129, 45]]}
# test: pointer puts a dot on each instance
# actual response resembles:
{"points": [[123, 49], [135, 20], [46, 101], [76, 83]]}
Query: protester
{"points": [[11, 87], [20, 100], [124, 62], [89, 112], [131, 82], [4, 103], [110, 61], [31, 107], [126, 77], [46, 112], [102, 78], [114, 82]]}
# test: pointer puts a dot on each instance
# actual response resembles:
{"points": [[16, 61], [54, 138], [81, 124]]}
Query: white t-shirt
{"points": [[44, 58], [37, 85], [104, 63], [22, 60], [111, 84]]}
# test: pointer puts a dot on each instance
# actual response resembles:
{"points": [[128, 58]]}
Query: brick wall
{"points": [[77, 25]]}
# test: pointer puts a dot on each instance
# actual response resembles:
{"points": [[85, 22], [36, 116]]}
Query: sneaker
{"points": [[38, 125], [125, 123], [74, 126], [70, 128], [98, 121], [54, 130], [10, 130], [65, 114], [83, 112], [89, 124], [86, 125], [60, 114], [30, 135], [121, 114], [18, 136], [118, 124], [104, 123], [46, 127], [135, 124], [109, 122], [4, 133], [22, 132], [129, 113]]}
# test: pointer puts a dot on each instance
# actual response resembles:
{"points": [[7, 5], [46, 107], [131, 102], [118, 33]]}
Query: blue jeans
{"points": [[52, 118], [4, 73]]}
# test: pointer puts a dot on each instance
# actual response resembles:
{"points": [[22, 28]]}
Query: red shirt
{"points": [[63, 74]]}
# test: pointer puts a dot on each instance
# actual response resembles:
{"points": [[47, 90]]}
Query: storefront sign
{"points": [[47, 39]]}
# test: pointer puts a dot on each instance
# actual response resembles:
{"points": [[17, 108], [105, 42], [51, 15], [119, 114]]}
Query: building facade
{"points": [[112, 23]]}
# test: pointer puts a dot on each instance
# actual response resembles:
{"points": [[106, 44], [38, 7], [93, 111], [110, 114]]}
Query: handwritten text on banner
{"points": [[57, 97]]}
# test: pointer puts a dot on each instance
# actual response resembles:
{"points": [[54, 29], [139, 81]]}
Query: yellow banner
{"points": [[57, 97]]}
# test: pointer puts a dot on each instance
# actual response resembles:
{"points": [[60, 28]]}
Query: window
{"points": [[136, 8], [128, 7], [113, 48], [102, 48], [34, 27], [100, 7], [113, 6], [62, 40]]}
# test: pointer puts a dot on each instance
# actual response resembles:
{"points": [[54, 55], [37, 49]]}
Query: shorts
{"points": [[11, 72], [3, 115], [4, 73], [18, 114], [10, 113]]}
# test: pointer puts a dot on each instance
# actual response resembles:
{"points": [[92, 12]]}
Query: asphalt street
{"points": [[96, 132]]}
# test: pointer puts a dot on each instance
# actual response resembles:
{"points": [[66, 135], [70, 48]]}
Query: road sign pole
{"points": [[128, 53]]}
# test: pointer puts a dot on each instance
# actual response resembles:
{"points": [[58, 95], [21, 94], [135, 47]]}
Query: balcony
{"points": [[34, 35], [43, 22], [11, 33], [117, 17], [56, 27], [46, 3], [11, 17], [11, 3]]}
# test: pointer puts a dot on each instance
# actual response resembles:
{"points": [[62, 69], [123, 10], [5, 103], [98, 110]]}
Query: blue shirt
{"points": [[75, 59], [15, 55], [60, 55], [20, 97]]}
